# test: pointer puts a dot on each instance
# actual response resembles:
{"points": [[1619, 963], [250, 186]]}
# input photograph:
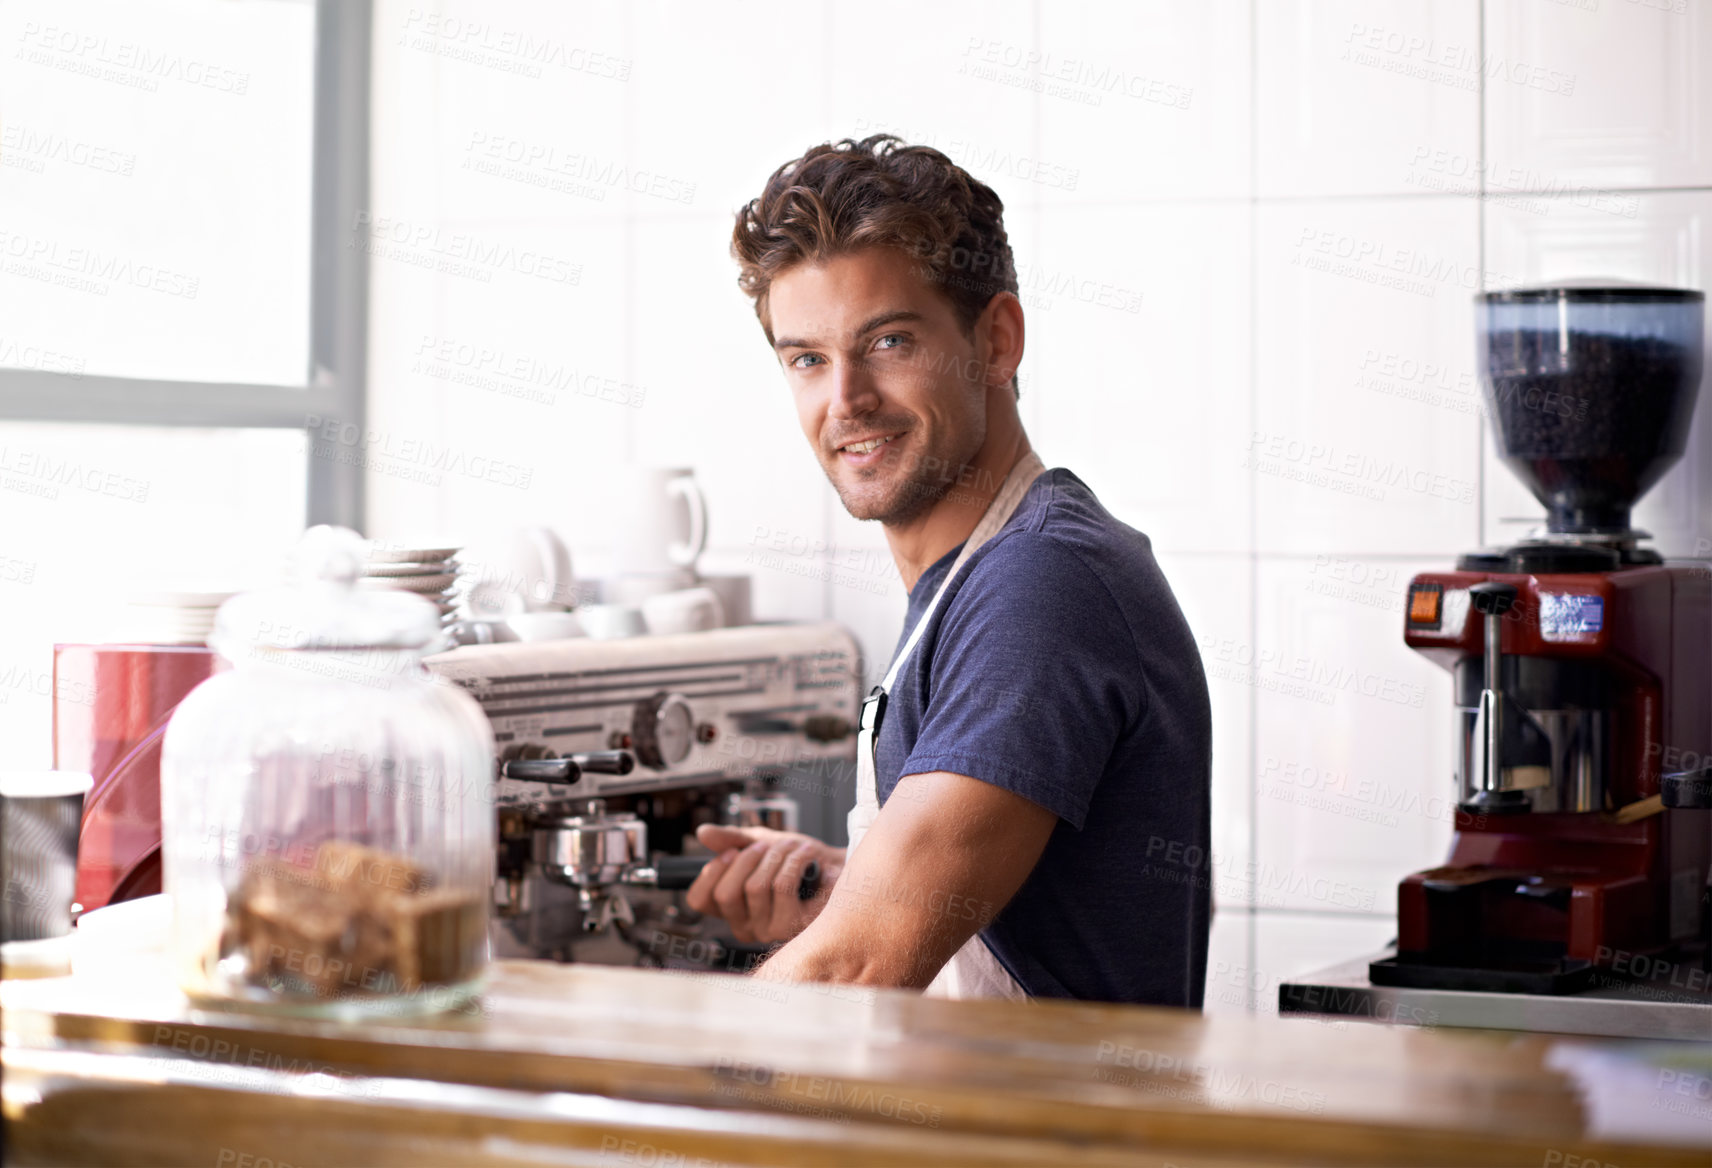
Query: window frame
{"points": [[335, 383]]}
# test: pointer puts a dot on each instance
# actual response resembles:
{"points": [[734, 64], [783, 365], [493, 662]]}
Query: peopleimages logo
{"points": [[1351, 471], [508, 50], [16, 354], [31, 472], [89, 269], [31, 149], [1410, 54], [456, 253], [1386, 265], [517, 375], [981, 158], [569, 172], [123, 62], [1073, 78], [418, 459]]}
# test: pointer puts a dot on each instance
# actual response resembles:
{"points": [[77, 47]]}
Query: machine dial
{"points": [[663, 730]]}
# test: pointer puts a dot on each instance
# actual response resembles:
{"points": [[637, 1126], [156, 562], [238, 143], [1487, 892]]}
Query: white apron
{"points": [[973, 971]]}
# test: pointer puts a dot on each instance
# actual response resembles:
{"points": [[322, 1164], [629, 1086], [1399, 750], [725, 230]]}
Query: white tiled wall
{"points": [[1293, 201], [1353, 296], [1349, 92]]}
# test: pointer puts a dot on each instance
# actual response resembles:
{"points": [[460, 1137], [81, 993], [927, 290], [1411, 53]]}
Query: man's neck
{"points": [[920, 542]]}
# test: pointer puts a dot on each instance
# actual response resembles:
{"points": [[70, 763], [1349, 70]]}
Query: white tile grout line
{"points": [[828, 496], [1480, 259], [628, 274], [1253, 407]]}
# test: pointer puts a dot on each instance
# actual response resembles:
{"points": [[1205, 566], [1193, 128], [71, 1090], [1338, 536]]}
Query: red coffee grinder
{"points": [[1582, 666]]}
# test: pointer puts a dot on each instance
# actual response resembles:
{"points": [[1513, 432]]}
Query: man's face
{"points": [[873, 353]]}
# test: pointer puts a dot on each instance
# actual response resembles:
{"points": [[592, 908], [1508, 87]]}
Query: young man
{"points": [[1042, 744]]}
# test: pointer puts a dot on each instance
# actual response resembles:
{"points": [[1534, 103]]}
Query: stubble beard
{"points": [[895, 498]]}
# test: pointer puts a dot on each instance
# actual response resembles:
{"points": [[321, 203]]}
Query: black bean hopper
{"points": [[1581, 666]]}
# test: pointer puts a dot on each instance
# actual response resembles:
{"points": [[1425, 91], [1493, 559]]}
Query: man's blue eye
{"points": [[801, 357], [898, 337]]}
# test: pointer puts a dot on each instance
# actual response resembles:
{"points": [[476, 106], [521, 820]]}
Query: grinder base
{"points": [[1561, 975]]}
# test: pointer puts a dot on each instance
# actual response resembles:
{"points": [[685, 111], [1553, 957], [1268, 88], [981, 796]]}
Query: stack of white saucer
{"points": [[431, 573], [172, 616]]}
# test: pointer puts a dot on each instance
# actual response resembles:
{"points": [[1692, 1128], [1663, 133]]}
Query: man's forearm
{"points": [[936, 867], [841, 946]]}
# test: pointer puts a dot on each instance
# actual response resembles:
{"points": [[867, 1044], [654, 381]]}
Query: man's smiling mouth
{"points": [[866, 445]]}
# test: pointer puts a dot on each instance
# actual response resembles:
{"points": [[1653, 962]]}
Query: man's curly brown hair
{"points": [[842, 196]]}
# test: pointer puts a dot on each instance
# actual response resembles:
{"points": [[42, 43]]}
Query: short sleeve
{"points": [[1033, 677]]}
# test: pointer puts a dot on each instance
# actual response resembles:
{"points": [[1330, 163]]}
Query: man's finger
{"points": [[758, 889], [699, 895], [728, 894], [787, 909], [718, 837]]}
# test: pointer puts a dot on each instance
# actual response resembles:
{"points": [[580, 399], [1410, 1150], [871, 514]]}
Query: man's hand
{"points": [[752, 882]]}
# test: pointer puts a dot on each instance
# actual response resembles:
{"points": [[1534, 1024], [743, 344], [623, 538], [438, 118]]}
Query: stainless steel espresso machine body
{"points": [[612, 752]]}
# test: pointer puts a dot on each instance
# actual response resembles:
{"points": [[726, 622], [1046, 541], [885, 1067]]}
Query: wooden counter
{"points": [[596, 1065]]}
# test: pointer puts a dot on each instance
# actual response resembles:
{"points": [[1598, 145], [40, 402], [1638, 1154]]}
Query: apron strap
{"points": [[972, 971], [998, 513]]}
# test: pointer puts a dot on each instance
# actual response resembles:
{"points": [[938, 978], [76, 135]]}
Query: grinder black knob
{"points": [[1493, 597]]}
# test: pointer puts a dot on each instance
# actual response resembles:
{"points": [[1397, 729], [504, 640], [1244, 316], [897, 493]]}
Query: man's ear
{"points": [[1001, 325]]}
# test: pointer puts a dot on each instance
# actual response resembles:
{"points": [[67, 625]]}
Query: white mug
{"points": [[665, 521], [693, 610], [638, 587], [544, 626], [546, 561], [735, 594], [526, 570], [605, 622]]}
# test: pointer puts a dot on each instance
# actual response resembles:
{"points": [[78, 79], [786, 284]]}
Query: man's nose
{"points": [[853, 390]]}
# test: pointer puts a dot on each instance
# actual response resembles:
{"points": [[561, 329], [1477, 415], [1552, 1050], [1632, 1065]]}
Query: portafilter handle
{"points": [[605, 762], [541, 770], [679, 872], [1492, 599], [569, 769]]}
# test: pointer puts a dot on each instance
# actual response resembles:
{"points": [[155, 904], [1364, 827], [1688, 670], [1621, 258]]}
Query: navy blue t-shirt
{"points": [[1059, 667]]}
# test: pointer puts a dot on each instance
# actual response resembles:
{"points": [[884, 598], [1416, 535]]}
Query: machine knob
{"points": [[1687, 790], [663, 730], [1493, 598]]}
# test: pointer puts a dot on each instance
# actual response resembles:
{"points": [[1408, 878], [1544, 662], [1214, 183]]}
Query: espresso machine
{"points": [[610, 754], [1575, 896]]}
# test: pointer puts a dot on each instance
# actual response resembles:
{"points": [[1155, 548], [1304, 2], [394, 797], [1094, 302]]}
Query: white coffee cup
{"points": [[605, 622], [693, 610], [664, 517], [639, 587], [545, 626], [527, 571], [547, 587], [736, 597]]}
